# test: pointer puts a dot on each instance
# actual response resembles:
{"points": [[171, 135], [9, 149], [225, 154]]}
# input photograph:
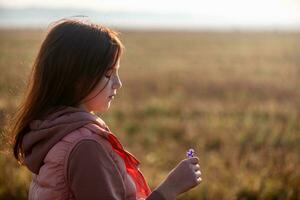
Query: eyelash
{"points": [[110, 74]]}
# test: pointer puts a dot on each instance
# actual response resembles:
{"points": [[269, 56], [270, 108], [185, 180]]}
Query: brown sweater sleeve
{"points": [[155, 195], [92, 174]]}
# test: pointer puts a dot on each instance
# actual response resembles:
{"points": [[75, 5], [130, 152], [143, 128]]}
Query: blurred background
{"points": [[219, 76]]}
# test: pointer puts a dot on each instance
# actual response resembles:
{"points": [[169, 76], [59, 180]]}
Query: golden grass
{"points": [[233, 96]]}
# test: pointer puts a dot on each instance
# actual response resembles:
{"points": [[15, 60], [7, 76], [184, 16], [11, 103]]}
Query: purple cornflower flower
{"points": [[190, 153]]}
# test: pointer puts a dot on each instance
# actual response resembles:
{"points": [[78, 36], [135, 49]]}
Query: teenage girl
{"points": [[70, 151]]}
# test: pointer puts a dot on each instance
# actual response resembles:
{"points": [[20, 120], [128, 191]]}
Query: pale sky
{"points": [[249, 12]]}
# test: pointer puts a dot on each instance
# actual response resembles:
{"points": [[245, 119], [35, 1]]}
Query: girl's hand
{"points": [[185, 176]]}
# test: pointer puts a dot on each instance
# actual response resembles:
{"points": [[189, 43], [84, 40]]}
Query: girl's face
{"points": [[100, 101]]}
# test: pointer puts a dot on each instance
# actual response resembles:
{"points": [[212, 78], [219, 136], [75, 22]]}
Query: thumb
{"points": [[193, 160]]}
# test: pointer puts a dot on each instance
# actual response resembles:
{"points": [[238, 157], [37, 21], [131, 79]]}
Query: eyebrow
{"points": [[115, 67]]}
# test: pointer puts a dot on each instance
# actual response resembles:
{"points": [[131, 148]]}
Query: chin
{"points": [[103, 109], [107, 108]]}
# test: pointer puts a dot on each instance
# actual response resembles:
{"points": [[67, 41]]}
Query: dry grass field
{"points": [[232, 96]]}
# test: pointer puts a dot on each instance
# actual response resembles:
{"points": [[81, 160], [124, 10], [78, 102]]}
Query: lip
{"points": [[112, 96]]}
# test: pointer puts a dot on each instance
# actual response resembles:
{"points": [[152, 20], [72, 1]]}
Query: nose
{"points": [[117, 84]]}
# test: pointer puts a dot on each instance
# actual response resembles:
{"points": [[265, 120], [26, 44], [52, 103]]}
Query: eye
{"points": [[108, 73]]}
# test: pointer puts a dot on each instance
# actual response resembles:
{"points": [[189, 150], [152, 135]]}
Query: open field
{"points": [[232, 96]]}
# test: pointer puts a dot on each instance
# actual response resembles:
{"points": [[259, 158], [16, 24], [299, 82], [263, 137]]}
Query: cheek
{"points": [[100, 89], [100, 99], [98, 103]]}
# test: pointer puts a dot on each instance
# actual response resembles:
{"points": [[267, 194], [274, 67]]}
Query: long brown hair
{"points": [[72, 59]]}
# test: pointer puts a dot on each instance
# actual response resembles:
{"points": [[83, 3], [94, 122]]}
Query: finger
{"points": [[199, 180], [196, 167], [198, 174], [194, 160]]}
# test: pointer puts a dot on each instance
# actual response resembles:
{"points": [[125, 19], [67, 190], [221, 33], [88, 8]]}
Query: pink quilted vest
{"points": [[51, 182]]}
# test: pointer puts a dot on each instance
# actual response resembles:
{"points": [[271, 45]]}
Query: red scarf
{"points": [[131, 163]]}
